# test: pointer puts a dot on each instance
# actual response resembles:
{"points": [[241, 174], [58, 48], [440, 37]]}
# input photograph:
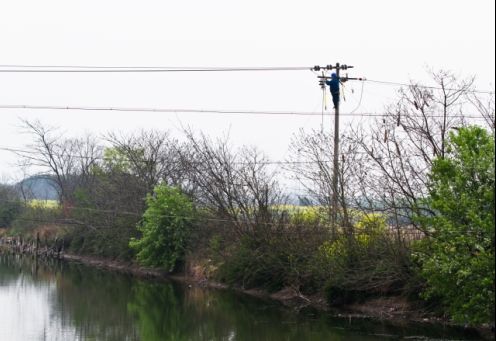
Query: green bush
{"points": [[457, 259], [165, 228]]}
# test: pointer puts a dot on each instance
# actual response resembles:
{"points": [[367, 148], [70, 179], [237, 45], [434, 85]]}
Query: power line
{"points": [[12, 68], [268, 162], [211, 111], [240, 220], [159, 110], [488, 92], [275, 162], [321, 224], [89, 209], [117, 69]]}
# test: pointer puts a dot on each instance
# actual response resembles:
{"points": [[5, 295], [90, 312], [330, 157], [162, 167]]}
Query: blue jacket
{"points": [[333, 84]]}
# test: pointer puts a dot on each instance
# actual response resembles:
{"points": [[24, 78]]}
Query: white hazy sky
{"points": [[384, 40]]}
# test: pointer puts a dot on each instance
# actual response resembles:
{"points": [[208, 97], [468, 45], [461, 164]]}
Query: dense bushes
{"points": [[9, 211], [304, 256], [35, 214], [279, 254], [10, 205], [370, 261]]}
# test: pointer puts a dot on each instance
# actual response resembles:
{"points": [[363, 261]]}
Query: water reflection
{"points": [[60, 301]]}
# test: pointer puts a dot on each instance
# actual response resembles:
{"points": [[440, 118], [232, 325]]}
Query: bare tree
{"points": [[398, 150], [68, 160], [235, 186], [311, 165], [484, 105], [152, 156]]}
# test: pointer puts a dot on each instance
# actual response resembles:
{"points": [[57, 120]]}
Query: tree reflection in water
{"points": [[98, 305]]}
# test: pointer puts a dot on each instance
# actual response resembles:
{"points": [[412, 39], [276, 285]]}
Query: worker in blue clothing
{"points": [[334, 87]]}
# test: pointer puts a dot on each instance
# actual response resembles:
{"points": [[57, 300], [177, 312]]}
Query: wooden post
{"points": [[37, 244]]}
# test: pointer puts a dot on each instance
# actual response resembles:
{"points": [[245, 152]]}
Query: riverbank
{"points": [[395, 309]]}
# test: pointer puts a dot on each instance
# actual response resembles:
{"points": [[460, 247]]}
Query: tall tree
{"points": [[458, 258]]}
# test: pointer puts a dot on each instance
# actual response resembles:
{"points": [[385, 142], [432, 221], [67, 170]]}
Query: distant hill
{"points": [[39, 187]]}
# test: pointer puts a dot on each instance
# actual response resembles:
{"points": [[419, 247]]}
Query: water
{"points": [[66, 301]]}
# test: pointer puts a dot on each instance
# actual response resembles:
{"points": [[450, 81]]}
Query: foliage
{"points": [[116, 160], [275, 258], [9, 211], [165, 228], [457, 260], [10, 206], [34, 218], [109, 207], [251, 265], [366, 263], [306, 215], [368, 230]]}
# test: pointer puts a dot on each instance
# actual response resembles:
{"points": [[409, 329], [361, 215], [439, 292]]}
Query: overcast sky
{"points": [[384, 40]]}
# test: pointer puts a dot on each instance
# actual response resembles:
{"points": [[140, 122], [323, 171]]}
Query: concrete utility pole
{"points": [[335, 170], [335, 173]]}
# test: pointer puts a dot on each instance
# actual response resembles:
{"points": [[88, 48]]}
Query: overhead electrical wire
{"points": [[211, 111], [12, 68], [100, 228], [240, 220], [360, 101], [488, 92], [19, 151], [117, 69], [23, 152], [159, 110], [70, 221]]}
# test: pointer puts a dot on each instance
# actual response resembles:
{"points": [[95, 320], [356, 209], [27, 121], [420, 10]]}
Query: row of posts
{"points": [[18, 245]]}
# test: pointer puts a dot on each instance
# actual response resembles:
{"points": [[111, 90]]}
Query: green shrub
{"points": [[165, 228], [457, 259]]}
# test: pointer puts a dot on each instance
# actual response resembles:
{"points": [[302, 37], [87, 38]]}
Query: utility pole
{"points": [[335, 170], [335, 173]]}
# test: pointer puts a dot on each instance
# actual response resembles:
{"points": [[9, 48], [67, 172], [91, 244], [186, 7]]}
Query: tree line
{"points": [[413, 183]]}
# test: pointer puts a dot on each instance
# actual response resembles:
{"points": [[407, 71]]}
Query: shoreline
{"points": [[391, 309], [396, 310]]}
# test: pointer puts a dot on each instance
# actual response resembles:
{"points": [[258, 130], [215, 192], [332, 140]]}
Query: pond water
{"points": [[50, 300]]}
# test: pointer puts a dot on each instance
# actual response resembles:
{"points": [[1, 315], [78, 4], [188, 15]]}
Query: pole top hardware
{"points": [[327, 67], [332, 67]]}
